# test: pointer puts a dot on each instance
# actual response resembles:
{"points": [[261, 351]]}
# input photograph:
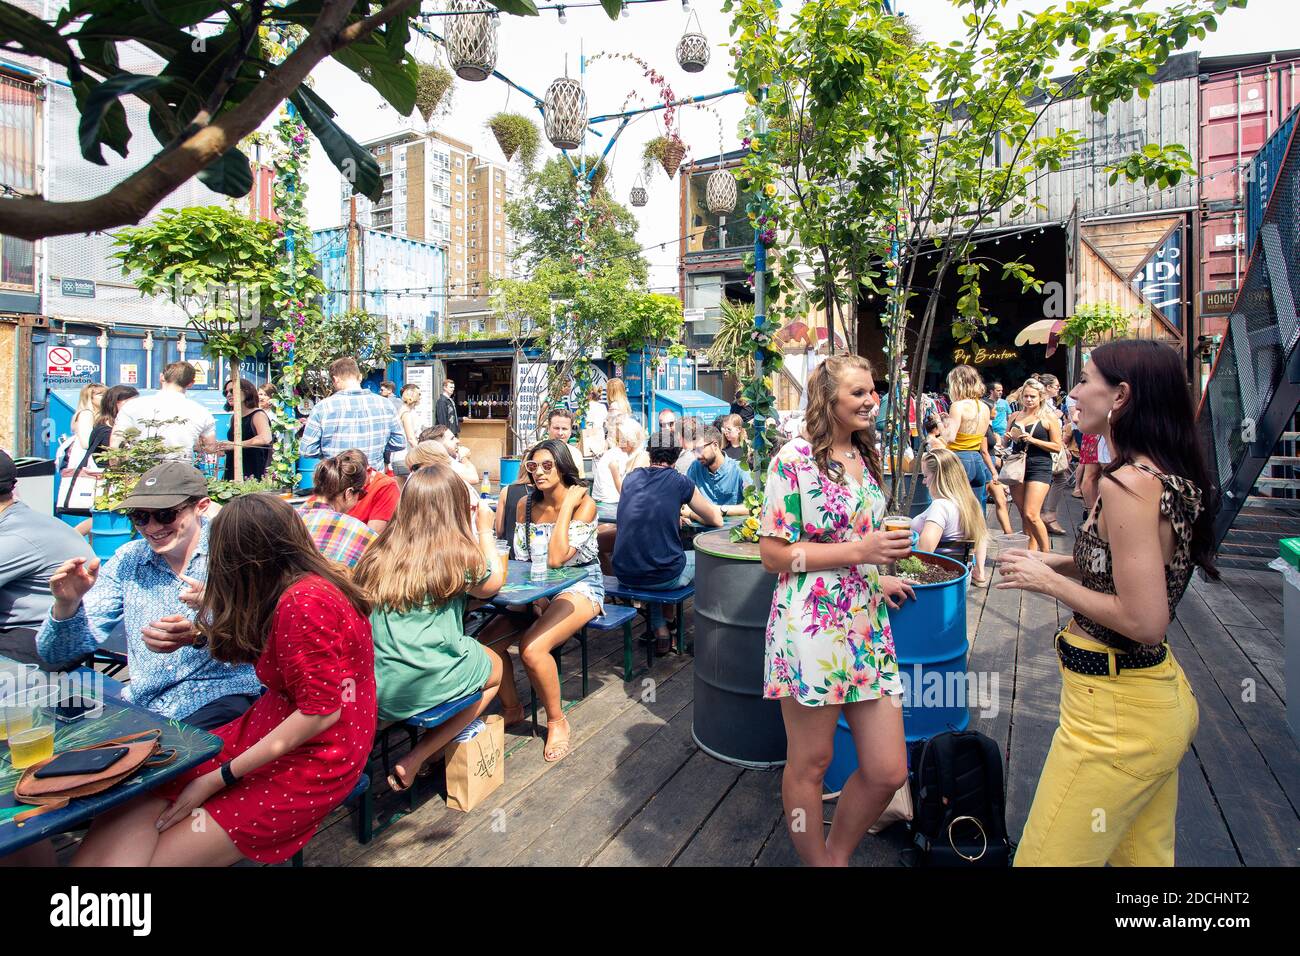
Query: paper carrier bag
{"points": [[476, 767]]}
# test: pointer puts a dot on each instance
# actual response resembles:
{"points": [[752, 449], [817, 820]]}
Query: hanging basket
{"points": [[672, 156], [720, 194], [471, 39], [564, 112]]}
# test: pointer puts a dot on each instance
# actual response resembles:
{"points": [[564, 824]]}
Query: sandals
{"points": [[395, 782], [981, 582], [1055, 529], [664, 643], [561, 750]]}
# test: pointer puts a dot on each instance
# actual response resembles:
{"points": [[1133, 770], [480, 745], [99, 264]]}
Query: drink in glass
{"points": [[896, 523], [15, 679], [1002, 543], [30, 727]]}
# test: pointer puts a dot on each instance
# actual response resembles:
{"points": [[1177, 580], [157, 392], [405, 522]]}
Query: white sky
{"points": [[533, 52]]}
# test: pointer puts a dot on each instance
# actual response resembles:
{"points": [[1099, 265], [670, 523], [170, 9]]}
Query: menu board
{"points": [[422, 375], [530, 389]]}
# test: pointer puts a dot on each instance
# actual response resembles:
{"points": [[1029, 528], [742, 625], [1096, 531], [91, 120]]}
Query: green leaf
{"points": [[103, 120], [526, 8], [348, 156], [38, 38], [230, 175], [394, 81]]}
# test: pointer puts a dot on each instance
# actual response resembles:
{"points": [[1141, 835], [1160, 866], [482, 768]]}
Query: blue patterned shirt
{"points": [[353, 418], [136, 587]]}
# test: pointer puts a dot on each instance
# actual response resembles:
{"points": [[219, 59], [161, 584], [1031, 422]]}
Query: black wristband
{"points": [[228, 775]]}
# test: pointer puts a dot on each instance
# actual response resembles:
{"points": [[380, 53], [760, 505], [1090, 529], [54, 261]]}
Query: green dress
{"points": [[424, 658]]}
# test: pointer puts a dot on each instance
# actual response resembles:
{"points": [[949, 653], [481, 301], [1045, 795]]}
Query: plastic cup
{"points": [[897, 523], [15, 681], [503, 548], [29, 720], [1002, 543]]}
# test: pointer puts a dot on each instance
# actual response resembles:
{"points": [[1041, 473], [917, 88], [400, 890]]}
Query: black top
{"points": [[444, 413], [735, 452], [744, 411], [648, 549], [256, 459]]}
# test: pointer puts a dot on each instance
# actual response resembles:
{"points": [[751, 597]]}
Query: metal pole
{"points": [[760, 287]]}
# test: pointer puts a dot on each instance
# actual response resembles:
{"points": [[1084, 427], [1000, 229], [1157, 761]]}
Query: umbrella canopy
{"points": [[1043, 332]]}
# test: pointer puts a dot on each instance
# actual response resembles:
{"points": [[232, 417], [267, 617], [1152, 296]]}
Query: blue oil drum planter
{"points": [[109, 530], [930, 640]]}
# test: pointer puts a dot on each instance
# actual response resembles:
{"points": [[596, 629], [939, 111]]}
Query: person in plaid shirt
{"points": [[338, 536], [352, 418]]}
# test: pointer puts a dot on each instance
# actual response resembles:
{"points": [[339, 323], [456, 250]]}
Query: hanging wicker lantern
{"points": [[720, 194], [693, 47], [639, 197], [471, 39], [564, 113]]}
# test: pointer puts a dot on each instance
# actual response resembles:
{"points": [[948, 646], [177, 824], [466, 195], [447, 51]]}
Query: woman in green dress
{"points": [[435, 554]]}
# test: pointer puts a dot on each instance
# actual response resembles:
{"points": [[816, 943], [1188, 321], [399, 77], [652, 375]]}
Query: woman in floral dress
{"points": [[829, 646]]}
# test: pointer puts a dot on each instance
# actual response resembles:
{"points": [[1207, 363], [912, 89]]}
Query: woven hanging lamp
{"points": [[693, 47], [720, 193], [639, 197], [471, 39], [564, 113]]}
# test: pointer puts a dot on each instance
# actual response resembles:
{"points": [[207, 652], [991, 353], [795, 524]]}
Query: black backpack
{"points": [[959, 816]]}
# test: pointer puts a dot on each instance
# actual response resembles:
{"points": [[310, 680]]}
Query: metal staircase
{"points": [[1247, 417]]}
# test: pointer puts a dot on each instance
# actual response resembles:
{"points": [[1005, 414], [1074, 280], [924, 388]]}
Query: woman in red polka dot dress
{"points": [[297, 752]]}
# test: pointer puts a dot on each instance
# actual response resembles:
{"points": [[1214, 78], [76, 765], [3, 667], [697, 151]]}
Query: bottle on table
{"points": [[485, 486], [537, 549]]}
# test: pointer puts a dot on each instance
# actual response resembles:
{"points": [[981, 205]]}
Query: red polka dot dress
{"points": [[319, 658]]}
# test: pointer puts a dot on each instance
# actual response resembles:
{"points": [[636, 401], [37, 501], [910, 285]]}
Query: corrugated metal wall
{"points": [[1167, 116], [386, 262]]}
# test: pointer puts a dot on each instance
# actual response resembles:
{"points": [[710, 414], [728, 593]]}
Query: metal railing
{"points": [[1254, 387]]}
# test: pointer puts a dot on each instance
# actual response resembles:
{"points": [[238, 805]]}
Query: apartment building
{"points": [[436, 189]]}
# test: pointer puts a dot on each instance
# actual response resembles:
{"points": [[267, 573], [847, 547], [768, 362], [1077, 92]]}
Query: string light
{"points": [[625, 12], [560, 11]]}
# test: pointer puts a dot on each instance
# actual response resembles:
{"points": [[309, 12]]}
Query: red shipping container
{"points": [[1239, 112]]}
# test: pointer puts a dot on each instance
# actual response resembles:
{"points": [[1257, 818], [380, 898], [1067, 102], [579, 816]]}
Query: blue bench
{"points": [[425, 720], [617, 616], [365, 813], [677, 597]]}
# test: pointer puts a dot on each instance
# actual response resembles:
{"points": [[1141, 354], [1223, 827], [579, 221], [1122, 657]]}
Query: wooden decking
{"points": [[636, 790]]}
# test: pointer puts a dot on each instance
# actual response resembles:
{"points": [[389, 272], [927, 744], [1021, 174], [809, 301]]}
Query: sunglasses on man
{"points": [[140, 517]]}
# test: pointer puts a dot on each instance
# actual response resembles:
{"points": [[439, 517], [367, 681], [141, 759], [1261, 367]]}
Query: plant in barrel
{"points": [[221, 269]]}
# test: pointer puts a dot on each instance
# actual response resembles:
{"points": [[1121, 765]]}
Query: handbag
{"points": [[1060, 462], [76, 485], [143, 750], [898, 811], [1013, 469]]}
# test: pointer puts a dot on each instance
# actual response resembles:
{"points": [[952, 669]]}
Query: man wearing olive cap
{"points": [[152, 585]]}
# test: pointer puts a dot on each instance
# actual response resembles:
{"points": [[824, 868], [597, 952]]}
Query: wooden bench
{"points": [[676, 597]]}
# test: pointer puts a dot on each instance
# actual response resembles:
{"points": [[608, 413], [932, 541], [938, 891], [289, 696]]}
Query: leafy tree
{"points": [[546, 220], [220, 83], [221, 269], [882, 157]]}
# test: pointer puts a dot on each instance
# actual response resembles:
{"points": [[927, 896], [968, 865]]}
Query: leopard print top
{"points": [[1181, 503]]}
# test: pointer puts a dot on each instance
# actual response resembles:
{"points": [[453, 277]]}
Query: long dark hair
{"points": [[257, 548], [112, 400], [1158, 421], [564, 465]]}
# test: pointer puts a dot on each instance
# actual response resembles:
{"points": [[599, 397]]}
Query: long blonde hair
{"points": [[616, 396], [819, 420], [950, 481], [427, 452], [89, 399], [427, 554], [965, 382]]}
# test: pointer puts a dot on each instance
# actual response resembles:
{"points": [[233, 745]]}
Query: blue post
{"points": [[760, 290]]}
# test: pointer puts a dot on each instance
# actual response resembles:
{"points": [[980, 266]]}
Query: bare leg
{"points": [[38, 854], [810, 742], [606, 534], [129, 836], [496, 635], [405, 769], [565, 616], [998, 492], [877, 727], [1090, 486], [1033, 494]]}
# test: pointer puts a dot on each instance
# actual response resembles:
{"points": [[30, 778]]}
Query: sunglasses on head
{"points": [[142, 516], [533, 467]]}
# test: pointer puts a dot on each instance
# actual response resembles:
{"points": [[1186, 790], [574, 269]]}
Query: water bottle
{"points": [[485, 487], [537, 551]]}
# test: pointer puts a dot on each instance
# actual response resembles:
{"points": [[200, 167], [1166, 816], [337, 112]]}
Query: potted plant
{"points": [[432, 85], [668, 151], [516, 134]]}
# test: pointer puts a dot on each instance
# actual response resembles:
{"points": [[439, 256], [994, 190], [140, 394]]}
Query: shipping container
{"points": [[1165, 118], [1262, 175], [1240, 110], [644, 378], [404, 280]]}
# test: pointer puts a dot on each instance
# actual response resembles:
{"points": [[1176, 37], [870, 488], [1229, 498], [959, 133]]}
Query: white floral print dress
{"points": [[828, 636], [582, 538]]}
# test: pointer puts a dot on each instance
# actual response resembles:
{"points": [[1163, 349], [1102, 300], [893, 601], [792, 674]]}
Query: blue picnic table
{"points": [[520, 588], [118, 719]]}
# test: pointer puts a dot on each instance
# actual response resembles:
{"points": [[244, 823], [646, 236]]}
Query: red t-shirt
{"points": [[380, 500]]}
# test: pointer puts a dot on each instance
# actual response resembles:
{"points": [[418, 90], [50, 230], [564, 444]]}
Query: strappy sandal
{"points": [[561, 750], [395, 782]]}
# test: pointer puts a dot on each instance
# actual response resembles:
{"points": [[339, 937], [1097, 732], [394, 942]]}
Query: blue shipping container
{"points": [[643, 381], [1262, 173]]}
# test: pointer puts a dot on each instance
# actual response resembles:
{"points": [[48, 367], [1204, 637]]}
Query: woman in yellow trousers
{"points": [[1109, 790]]}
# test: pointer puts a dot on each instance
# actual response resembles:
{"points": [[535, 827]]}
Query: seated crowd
{"points": [[293, 633]]}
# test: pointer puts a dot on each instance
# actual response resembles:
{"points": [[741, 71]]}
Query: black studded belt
{"points": [[1103, 663]]}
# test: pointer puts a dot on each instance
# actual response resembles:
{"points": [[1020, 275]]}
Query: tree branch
{"points": [[134, 197]]}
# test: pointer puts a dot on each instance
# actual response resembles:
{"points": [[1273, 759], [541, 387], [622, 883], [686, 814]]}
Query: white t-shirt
{"points": [[1103, 452], [943, 512], [195, 421], [602, 482]]}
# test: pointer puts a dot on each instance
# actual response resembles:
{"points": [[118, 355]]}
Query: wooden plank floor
{"points": [[636, 791]]}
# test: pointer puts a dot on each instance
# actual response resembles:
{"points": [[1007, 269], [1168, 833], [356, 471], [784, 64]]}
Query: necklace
{"points": [[851, 454]]}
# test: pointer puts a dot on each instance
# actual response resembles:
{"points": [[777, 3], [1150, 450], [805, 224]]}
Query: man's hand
{"points": [[70, 583], [169, 634], [192, 594]]}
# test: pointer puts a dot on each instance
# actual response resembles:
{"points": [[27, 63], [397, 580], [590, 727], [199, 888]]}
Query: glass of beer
{"points": [[896, 523], [29, 720], [14, 681]]}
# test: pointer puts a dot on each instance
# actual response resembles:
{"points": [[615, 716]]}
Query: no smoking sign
{"points": [[58, 361]]}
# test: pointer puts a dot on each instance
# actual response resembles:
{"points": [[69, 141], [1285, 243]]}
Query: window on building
{"points": [[18, 170]]}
